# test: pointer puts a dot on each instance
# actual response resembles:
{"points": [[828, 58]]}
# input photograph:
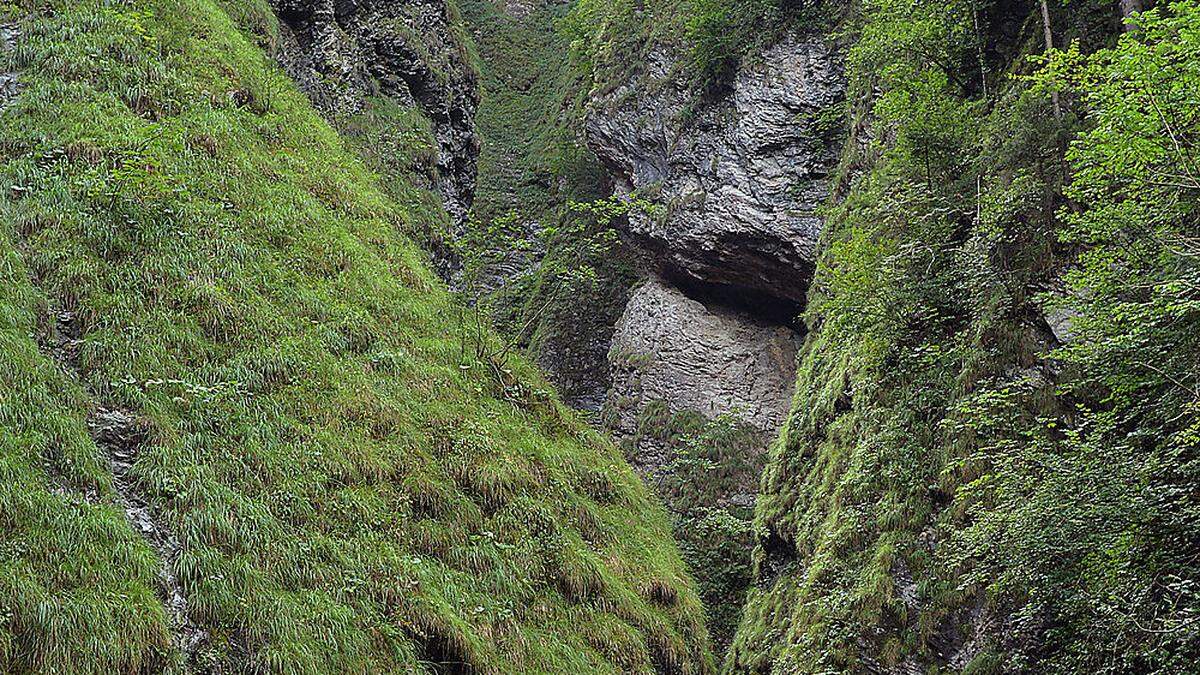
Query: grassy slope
{"points": [[533, 164], [349, 495], [523, 117]]}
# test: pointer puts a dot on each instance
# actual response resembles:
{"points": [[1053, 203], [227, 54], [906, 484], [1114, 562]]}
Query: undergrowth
{"points": [[613, 40], [961, 486], [540, 257]]}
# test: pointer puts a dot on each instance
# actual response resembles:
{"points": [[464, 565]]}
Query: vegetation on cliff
{"points": [[212, 321], [540, 255], [991, 462], [243, 428], [616, 40]]}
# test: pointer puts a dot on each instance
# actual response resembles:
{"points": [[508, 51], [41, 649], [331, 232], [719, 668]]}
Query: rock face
{"points": [[742, 179], [9, 86], [711, 360], [702, 362], [521, 9], [341, 52], [575, 355]]}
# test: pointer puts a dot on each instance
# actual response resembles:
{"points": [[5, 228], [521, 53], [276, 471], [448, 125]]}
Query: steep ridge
{"points": [[258, 424], [953, 492], [345, 55]]}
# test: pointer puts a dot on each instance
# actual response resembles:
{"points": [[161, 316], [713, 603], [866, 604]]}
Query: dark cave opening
{"points": [[760, 305]]}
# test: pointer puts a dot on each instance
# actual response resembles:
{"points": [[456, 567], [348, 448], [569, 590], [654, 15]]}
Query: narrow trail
{"points": [[121, 435]]}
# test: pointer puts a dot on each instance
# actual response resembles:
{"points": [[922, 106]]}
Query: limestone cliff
{"points": [[741, 176], [708, 359], [344, 52], [738, 172]]}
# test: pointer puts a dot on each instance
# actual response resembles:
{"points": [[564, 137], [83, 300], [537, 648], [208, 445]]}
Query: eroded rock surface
{"points": [[9, 85], [742, 179], [740, 176], [671, 349], [341, 52]]}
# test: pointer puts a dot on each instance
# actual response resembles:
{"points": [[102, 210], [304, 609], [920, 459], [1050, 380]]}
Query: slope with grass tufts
{"points": [[227, 374]]}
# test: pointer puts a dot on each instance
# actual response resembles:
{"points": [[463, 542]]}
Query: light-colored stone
{"points": [[10, 86], [710, 360], [742, 179]]}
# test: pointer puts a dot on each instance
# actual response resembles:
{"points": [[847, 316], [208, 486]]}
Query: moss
{"points": [[924, 364], [707, 481], [347, 493], [612, 41]]}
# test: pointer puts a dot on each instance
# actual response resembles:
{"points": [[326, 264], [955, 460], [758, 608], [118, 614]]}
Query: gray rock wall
{"points": [[742, 178], [706, 358], [341, 52], [671, 349]]}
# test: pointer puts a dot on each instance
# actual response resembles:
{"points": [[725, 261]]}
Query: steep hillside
{"points": [[242, 427], [539, 256], [990, 465]]}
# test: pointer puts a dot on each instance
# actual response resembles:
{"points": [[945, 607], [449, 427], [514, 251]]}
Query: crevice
{"points": [[779, 554], [760, 305], [443, 655], [122, 435], [348, 45], [400, 70]]}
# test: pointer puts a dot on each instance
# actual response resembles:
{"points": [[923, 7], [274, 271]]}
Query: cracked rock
{"points": [[742, 179]]}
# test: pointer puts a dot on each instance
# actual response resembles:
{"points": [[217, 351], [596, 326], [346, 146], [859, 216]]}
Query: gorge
{"points": [[588, 336]]}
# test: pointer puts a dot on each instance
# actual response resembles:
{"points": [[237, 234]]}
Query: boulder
{"points": [[672, 350]]}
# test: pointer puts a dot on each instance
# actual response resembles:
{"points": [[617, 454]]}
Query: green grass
{"points": [[350, 490], [533, 165], [709, 462]]}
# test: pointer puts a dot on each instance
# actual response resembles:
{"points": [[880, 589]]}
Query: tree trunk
{"points": [[979, 51], [1128, 9], [1049, 47]]}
